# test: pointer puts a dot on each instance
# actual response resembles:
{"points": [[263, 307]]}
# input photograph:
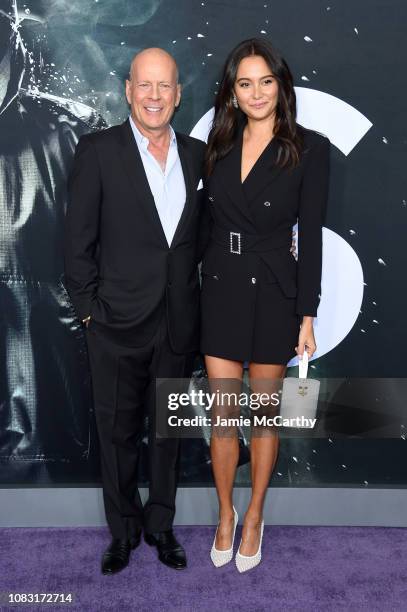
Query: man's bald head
{"points": [[152, 90], [153, 55]]}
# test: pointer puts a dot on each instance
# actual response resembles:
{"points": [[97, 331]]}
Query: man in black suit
{"points": [[131, 255]]}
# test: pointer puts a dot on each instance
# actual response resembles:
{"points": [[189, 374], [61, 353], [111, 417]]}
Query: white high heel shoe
{"points": [[221, 557], [243, 562]]}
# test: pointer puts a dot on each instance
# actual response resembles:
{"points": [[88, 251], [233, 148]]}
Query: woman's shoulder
{"points": [[312, 138]]}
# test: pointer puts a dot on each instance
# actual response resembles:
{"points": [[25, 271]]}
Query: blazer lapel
{"points": [[188, 172], [133, 165], [264, 172], [230, 171]]}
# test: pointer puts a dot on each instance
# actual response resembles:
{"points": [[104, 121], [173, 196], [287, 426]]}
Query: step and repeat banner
{"points": [[62, 69]]}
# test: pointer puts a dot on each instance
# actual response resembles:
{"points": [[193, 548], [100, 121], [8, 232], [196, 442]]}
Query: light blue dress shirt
{"points": [[168, 187]]}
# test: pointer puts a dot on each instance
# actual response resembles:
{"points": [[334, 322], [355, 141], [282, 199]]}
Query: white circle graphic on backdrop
{"points": [[202, 128], [342, 274], [341, 293]]}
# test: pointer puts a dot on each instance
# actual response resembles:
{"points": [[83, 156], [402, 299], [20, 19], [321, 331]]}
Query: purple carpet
{"points": [[303, 568]]}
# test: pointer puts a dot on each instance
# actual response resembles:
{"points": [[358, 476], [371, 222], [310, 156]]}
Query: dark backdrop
{"points": [[68, 60]]}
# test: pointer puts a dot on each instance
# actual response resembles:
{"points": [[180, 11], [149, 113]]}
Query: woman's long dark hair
{"points": [[227, 118]]}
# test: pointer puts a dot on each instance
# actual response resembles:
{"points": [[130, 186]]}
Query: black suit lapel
{"points": [[189, 172], [133, 164]]}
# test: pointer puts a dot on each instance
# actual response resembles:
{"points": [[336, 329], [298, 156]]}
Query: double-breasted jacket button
{"points": [[211, 198], [267, 203], [254, 280]]}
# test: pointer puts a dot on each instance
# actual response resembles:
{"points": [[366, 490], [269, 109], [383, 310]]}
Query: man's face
{"points": [[153, 91]]}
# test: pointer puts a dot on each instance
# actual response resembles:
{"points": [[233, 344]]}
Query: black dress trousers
{"points": [[123, 379]]}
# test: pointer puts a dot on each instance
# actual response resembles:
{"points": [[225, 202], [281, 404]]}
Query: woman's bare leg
{"points": [[224, 446], [263, 451]]}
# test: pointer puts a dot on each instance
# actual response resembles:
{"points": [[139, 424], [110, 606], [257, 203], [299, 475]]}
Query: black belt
{"points": [[241, 242]]}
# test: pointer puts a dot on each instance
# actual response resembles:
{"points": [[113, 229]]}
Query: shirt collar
{"points": [[143, 141]]}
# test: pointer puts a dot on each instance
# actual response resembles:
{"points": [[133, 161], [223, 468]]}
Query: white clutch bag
{"points": [[299, 399]]}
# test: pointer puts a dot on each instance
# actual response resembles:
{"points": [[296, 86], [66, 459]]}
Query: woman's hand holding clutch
{"points": [[306, 339]]}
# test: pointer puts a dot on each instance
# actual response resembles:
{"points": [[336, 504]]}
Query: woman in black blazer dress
{"points": [[265, 173]]}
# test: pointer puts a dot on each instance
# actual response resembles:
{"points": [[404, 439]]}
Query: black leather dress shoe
{"points": [[170, 551], [117, 555]]}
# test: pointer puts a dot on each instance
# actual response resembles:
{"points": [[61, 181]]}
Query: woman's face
{"points": [[255, 88]]}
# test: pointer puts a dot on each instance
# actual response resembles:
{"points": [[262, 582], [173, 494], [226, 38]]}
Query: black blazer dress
{"points": [[254, 292]]}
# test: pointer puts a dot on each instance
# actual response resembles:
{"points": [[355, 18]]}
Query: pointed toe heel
{"points": [[244, 562], [221, 557]]}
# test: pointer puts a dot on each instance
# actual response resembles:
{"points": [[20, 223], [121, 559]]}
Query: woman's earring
{"points": [[234, 101]]}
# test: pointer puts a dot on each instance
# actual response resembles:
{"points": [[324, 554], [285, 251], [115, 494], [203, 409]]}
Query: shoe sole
{"points": [[111, 573]]}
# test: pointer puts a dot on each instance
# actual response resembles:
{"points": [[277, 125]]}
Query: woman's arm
{"points": [[312, 207], [313, 201]]}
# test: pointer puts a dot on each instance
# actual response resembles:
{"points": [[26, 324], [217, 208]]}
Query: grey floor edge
{"points": [[70, 507]]}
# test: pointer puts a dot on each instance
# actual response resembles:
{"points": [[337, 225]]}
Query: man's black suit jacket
{"points": [[118, 265]]}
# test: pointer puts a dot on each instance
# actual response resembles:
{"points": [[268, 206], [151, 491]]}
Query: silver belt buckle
{"points": [[232, 250]]}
